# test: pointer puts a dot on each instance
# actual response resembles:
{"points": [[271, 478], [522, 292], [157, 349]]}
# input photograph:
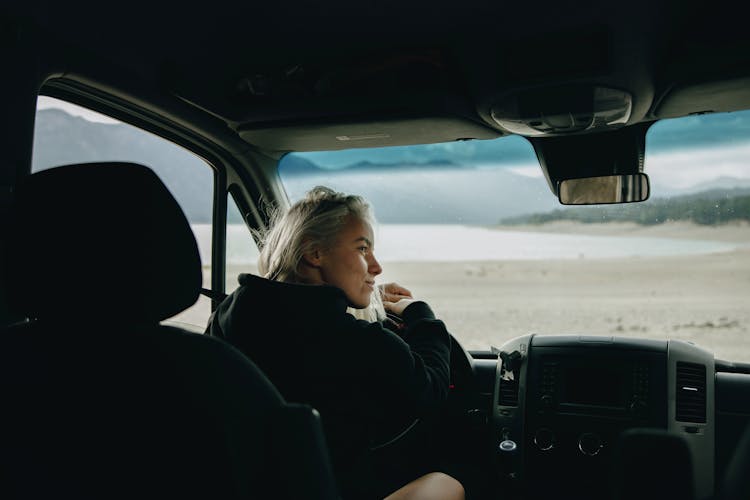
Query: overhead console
{"points": [[561, 404], [562, 110]]}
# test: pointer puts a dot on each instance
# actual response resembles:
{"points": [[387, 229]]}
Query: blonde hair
{"points": [[312, 222]]}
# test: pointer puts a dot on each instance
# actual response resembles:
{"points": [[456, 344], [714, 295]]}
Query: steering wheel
{"points": [[461, 382], [461, 369]]}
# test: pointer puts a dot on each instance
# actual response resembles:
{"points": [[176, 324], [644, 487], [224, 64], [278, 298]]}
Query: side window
{"points": [[66, 133], [242, 252]]}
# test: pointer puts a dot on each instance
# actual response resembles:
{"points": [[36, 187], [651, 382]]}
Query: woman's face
{"points": [[350, 263]]}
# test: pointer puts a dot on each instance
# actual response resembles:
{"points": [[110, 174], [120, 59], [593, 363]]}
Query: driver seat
{"points": [[102, 401]]}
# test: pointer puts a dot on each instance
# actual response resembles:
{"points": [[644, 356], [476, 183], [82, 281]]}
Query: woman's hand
{"points": [[398, 306], [393, 292], [395, 298]]}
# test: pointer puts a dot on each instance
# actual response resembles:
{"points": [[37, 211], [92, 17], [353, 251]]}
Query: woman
{"points": [[317, 260]]}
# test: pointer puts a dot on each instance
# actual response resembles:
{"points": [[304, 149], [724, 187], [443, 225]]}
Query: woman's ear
{"points": [[313, 258], [310, 269]]}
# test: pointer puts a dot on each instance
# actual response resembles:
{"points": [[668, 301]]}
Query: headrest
{"points": [[105, 240]]}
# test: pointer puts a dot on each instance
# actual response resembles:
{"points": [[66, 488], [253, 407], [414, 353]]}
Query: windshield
{"points": [[474, 229]]}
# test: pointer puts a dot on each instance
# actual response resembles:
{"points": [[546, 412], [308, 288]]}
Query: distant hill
{"points": [[715, 206], [296, 165], [722, 183], [429, 193]]}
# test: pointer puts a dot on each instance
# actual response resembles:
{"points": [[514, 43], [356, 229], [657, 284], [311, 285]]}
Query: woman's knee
{"points": [[435, 485], [451, 487]]}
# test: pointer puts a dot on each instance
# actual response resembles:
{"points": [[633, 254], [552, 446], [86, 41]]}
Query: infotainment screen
{"points": [[597, 385]]}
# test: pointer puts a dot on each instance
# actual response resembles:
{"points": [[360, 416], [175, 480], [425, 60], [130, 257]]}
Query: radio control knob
{"points": [[544, 439], [590, 444]]}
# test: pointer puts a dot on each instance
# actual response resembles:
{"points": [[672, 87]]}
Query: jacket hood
{"points": [[260, 300]]}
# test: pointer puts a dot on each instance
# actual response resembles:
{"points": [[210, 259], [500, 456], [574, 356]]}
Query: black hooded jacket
{"points": [[365, 380]]}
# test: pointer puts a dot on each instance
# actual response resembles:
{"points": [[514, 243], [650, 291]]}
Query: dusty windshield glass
{"points": [[474, 229]]}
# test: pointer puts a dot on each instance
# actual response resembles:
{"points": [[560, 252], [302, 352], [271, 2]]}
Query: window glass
{"points": [[66, 133], [474, 229], [242, 252]]}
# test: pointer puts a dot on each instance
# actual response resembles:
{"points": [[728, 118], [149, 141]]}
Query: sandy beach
{"points": [[699, 298]]}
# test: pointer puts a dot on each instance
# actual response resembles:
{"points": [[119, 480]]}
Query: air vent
{"points": [[508, 393], [691, 393]]}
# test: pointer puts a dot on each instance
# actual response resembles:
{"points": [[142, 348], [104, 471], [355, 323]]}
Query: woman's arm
{"points": [[410, 371]]}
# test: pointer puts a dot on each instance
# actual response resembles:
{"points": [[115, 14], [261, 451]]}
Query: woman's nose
{"points": [[374, 266]]}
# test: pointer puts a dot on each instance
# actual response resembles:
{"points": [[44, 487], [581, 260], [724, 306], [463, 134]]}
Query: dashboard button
{"points": [[507, 446], [590, 444], [544, 439]]}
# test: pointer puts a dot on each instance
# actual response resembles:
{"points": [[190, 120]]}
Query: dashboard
{"points": [[561, 405]]}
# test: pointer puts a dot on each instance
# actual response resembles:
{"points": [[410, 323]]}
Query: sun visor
{"points": [[706, 97], [364, 134]]}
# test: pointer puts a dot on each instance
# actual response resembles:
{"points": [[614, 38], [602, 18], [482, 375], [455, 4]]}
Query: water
{"points": [[433, 243], [466, 243]]}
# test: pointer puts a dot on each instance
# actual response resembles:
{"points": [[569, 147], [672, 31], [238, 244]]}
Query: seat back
{"points": [[99, 399]]}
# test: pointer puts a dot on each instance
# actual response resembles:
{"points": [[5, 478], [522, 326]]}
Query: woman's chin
{"points": [[360, 301]]}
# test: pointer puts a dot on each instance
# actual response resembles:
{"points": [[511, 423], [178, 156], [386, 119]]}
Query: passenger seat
{"points": [[101, 401]]}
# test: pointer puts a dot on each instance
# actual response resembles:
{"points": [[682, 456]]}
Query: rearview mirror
{"points": [[604, 189]]}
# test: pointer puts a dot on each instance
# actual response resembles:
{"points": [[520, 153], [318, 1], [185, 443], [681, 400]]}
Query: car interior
{"points": [[109, 387]]}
